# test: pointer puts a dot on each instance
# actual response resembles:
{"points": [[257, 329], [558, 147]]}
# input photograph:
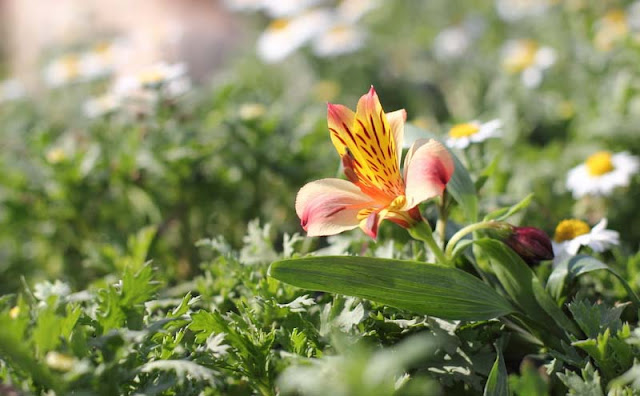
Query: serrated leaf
{"points": [[586, 384], [184, 369], [429, 289]]}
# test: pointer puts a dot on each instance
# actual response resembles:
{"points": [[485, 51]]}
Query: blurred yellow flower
{"points": [[14, 312], [610, 29], [56, 155]]}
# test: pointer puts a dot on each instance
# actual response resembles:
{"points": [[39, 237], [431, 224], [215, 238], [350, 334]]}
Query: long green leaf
{"points": [[498, 381], [525, 289], [429, 289], [578, 265]]}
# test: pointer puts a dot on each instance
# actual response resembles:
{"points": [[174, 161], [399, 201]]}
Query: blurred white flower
{"points": [[633, 17], [514, 10], [60, 361], [612, 28], [340, 39], [601, 173], [101, 105], [572, 234], [103, 58], [43, 290], [245, 5], [288, 8], [284, 36], [63, 70], [11, 89], [160, 78], [353, 10], [529, 59], [454, 42], [462, 135]]}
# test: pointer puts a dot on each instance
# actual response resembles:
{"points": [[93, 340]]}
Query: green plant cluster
{"points": [[131, 263]]}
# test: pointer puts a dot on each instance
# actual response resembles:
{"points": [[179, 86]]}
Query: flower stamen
{"points": [[599, 163], [569, 229], [463, 130]]}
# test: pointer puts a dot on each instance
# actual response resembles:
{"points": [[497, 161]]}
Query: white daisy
{"points": [[612, 28], [288, 8], [529, 59], [103, 58], [462, 135], [572, 234], [63, 70], [454, 41], [284, 36], [514, 10], [161, 78], [101, 105], [339, 40], [601, 173], [245, 5], [10, 90], [353, 10]]}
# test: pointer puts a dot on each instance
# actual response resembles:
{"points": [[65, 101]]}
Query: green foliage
{"points": [[134, 246]]}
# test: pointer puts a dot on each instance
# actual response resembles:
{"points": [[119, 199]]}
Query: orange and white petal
{"points": [[330, 206], [396, 122], [428, 168], [340, 120]]}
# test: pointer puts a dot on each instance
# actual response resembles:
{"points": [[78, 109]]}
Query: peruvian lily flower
{"points": [[369, 142]]}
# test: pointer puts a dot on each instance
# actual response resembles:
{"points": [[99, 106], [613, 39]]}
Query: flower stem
{"points": [[443, 215], [467, 230], [422, 231]]}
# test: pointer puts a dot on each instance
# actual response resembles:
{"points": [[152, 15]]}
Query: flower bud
{"points": [[532, 244]]}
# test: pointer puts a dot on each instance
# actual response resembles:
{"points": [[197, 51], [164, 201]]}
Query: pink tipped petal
{"points": [[330, 206], [370, 224], [340, 120], [427, 170], [396, 122]]}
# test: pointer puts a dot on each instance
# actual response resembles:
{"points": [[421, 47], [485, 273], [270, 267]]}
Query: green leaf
{"points": [[504, 213], [575, 266], [422, 288], [498, 381], [463, 190], [526, 291]]}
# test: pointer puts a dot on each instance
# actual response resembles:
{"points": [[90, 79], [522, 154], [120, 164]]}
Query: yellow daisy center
{"points": [[521, 57], [151, 77], [279, 24], [463, 130], [71, 65], [599, 163], [569, 229]]}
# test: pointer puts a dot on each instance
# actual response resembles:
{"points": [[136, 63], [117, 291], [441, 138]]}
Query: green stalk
{"points": [[422, 231], [467, 230]]}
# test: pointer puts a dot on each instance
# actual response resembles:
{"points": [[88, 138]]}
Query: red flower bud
{"points": [[532, 244]]}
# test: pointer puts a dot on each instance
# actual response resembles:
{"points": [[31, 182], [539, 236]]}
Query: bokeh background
{"points": [[196, 116]]}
